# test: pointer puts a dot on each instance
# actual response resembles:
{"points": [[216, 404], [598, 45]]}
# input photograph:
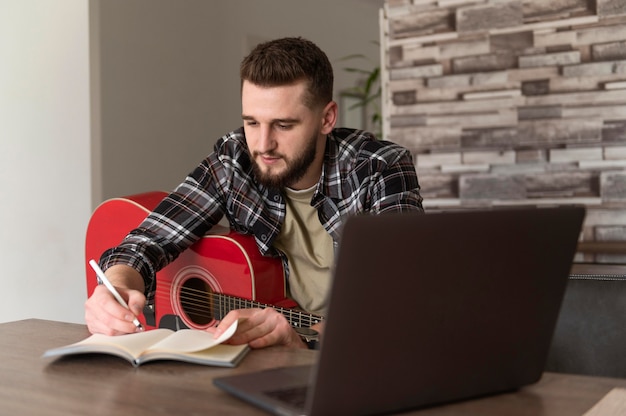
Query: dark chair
{"points": [[590, 336]]}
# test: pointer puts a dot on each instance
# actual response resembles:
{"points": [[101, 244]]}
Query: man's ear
{"points": [[329, 119]]}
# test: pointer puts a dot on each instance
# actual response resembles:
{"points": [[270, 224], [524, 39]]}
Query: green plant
{"points": [[367, 91]]}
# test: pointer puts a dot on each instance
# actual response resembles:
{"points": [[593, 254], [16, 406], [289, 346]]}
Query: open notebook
{"points": [[432, 308]]}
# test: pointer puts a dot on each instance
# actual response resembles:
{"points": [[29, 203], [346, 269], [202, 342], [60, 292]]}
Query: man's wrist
{"points": [[125, 277]]}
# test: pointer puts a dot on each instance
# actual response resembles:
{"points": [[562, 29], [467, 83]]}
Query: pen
{"points": [[114, 292]]}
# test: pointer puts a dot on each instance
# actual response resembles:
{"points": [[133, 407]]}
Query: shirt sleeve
{"points": [[392, 182], [178, 221], [398, 188]]}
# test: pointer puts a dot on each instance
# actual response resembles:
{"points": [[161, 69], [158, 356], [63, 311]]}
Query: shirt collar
{"points": [[329, 184]]}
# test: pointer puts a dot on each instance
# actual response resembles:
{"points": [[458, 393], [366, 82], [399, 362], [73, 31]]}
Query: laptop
{"points": [[427, 309]]}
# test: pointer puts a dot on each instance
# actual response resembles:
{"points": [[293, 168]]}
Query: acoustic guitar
{"points": [[222, 271]]}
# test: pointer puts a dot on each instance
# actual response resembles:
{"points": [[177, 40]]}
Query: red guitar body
{"points": [[224, 263]]}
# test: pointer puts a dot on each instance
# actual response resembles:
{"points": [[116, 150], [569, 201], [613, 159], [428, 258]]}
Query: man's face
{"points": [[286, 138]]}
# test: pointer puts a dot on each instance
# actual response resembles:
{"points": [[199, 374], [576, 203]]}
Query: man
{"points": [[288, 177]]}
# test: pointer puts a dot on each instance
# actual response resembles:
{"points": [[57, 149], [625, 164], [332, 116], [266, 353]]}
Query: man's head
{"points": [[287, 60], [287, 110]]}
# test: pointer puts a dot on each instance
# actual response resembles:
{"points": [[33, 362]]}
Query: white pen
{"points": [[114, 292]]}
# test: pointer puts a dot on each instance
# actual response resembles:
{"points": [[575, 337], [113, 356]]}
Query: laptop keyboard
{"points": [[295, 396]]}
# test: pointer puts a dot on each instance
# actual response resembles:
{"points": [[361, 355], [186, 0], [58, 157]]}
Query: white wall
{"points": [[44, 158]]}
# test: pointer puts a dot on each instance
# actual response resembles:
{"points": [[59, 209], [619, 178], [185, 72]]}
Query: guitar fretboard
{"points": [[222, 304]]}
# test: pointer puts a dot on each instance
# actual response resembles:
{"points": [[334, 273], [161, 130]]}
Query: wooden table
{"points": [[103, 385]]}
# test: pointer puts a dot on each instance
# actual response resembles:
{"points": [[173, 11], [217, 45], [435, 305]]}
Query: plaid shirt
{"points": [[360, 175]]}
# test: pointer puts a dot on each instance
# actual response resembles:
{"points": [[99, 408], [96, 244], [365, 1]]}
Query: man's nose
{"points": [[266, 139]]}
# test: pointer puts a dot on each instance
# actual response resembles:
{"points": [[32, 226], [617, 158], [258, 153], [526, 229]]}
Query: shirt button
{"points": [[276, 198], [264, 237]]}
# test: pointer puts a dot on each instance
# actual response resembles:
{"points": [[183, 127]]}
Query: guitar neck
{"points": [[222, 304]]}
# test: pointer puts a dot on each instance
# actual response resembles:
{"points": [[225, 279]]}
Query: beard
{"points": [[295, 170]]}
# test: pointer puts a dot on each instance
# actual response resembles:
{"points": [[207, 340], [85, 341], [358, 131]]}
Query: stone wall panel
{"points": [[506, 102], [492, 15]]}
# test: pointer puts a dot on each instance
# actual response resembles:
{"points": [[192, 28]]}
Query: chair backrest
{"points": [[590, 336]]}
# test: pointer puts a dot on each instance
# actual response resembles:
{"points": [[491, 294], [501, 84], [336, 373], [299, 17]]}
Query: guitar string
{"points": [[200, 296], [198, 302], [198, 308]]}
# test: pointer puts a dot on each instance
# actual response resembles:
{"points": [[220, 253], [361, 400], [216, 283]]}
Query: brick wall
{"points": [[511, 102]]}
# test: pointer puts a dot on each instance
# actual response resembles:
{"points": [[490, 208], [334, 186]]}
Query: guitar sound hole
{"points": [[195, 301]]}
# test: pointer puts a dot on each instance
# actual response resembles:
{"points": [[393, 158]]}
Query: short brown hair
{"points": [[288, 60]]}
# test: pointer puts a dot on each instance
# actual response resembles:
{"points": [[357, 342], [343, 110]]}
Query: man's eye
{"points": [[284, 126], [251, 123]]}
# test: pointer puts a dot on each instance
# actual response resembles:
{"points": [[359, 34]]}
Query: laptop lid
{"points": [[428, 309]]}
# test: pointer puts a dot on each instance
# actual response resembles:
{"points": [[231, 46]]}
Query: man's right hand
{"points": [[104, 314]]}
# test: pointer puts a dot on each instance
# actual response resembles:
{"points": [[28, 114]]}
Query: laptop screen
{"points": [[438, 307]]}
